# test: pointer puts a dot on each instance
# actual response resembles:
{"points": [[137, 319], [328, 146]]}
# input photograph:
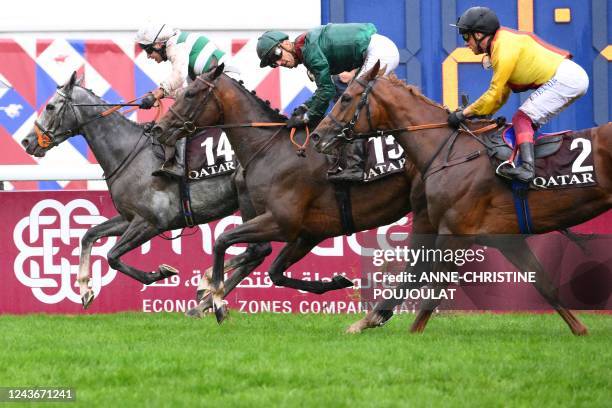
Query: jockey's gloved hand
{"points": [[456, 118], [300, 110], [500, 121], [298, 120], [147, 102]]}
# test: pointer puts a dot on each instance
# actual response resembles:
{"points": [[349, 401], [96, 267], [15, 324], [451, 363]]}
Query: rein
{"points": [[47, 138], [190, 127], [348, 134]]}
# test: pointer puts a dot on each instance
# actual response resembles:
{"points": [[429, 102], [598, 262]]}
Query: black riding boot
{"points": [[174, 166], [526, 171], [353, 164]]}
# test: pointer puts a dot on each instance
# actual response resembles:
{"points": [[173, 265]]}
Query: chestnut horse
{"points": [[294, 201], [464, 199]]}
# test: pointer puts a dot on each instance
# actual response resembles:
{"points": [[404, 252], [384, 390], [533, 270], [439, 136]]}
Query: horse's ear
{"points": [[372, 73], [218, 71], [71, 82]]}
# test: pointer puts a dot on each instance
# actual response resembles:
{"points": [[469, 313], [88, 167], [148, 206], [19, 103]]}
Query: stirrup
{"points": [[502, 164], [163, 171]]}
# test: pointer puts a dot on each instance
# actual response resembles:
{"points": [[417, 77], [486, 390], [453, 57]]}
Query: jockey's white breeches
{"points": [[569, 83], [383, 49]]}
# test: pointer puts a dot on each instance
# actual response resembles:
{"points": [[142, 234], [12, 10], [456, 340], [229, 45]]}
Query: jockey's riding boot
{"points": [[526, 171], [352, 171], [174, 166]]}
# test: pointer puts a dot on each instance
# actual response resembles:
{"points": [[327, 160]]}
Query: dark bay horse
{"points": [[293, 200], [465, 199], [147, 205]]}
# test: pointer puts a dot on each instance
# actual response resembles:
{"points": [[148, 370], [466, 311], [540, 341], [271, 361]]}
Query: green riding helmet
{"points": [[267, 47]]}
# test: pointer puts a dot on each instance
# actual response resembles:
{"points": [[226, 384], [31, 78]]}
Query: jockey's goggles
{"points": [[466, 36], [148, 48], [273, 55]]}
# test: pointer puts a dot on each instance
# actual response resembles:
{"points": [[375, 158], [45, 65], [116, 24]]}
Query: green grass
{"points": [[306, 360]]}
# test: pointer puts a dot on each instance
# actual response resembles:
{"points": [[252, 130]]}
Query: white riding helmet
{"points": [[152, 33]]}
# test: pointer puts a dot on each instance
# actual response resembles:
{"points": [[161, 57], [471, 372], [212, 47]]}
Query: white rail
{"points": [[25, 172]]}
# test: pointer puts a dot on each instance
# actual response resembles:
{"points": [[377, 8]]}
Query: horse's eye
{"points": [[50, 107], [346, 98]]}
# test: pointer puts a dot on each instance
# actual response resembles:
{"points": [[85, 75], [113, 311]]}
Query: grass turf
{"points": [[137, 359]]}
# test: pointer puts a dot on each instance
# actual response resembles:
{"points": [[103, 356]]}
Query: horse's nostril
{"points": [[25, 143]]}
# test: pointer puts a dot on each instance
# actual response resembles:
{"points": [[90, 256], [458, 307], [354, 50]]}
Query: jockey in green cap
{"points": [[325, 51]]}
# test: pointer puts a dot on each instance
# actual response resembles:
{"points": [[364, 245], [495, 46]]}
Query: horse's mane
{"points": [[92, 93], [265, 104], [394, 80]]}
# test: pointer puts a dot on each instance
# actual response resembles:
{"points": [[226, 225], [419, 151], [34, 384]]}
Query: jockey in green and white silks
{"points": [[325, 51], [190, 55]]}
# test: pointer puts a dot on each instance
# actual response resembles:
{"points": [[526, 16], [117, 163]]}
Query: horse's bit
{"points": [[46, 137]]}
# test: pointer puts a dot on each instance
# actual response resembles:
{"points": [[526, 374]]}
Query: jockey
{"points": [[520, 61], [190, 55], [325, 51]]}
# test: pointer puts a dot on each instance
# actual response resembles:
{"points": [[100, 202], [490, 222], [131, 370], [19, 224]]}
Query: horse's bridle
{"points": [[347, 131], [47, 137], [189, 126]]}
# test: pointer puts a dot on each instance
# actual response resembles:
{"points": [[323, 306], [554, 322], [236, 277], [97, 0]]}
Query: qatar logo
{"points": [[48, 241]]}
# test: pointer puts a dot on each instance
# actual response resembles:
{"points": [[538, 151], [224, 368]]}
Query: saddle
{"points": [[379, 158], [207, 154], [502, 143]]}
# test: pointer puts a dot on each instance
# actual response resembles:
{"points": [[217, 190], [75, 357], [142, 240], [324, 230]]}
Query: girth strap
{"points": [[343, 197], [186, 202], [521, 205]]}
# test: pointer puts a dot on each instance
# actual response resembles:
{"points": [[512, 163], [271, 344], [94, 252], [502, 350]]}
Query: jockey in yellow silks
{"points": [[520, 61]]}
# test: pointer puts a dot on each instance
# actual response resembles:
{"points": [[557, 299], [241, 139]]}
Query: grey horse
{"points": [[147, 205]]}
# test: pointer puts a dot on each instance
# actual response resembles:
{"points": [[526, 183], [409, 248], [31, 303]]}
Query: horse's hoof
{"points": [[385, 315], [87, 298], [206, 302], [167, 270], [221, 313], [582, 331], [355, 328], [342, 282], [417, 329], [195, 313], [200, 294]]}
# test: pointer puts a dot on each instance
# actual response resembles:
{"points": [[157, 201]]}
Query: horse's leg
{"points": [[138, 232], [383, 311], [256, 252], [239, 274], [113, 227], [290, 254], [262, 228], [518, 252], [428, 306], [259, 229]]}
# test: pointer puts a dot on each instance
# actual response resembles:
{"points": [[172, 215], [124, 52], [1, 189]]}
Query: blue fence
{"points": [[432, 54]]}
